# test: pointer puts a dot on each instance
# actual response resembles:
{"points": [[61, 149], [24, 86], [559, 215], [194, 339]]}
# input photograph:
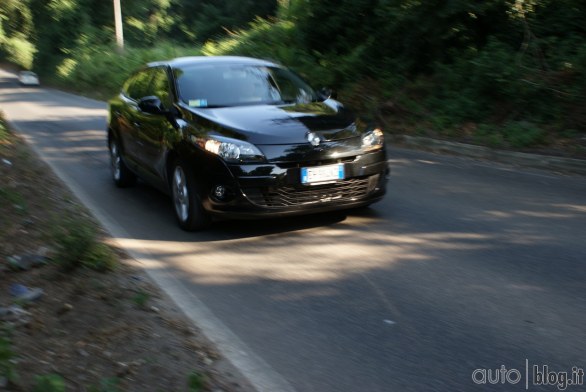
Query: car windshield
{"points": [[220, 85]]}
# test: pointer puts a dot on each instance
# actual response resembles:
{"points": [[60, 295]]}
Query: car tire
{"points": [[121, 174], [187, 205]]}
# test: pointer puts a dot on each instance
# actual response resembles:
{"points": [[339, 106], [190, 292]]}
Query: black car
{"points": [[241, 138]]}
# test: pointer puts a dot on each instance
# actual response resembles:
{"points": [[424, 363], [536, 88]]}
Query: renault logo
{"points": [[312, 138]]}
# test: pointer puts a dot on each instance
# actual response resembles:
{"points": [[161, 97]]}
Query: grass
{"points": [[74, 234], [196, 382], [4, 134], [14, 198], [141, 298], [78, 246], [110, 384], [521, 134], [7, 368], [49, 383]]}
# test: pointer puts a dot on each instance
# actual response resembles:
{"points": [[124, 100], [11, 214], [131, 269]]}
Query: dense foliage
{"points": [[502, 72]]}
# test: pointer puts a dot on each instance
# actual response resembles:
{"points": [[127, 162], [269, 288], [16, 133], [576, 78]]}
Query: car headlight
{"points": [[373, 140], [231, 150]]}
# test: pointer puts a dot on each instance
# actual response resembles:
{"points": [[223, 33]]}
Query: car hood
{"points": [[283, 124]]}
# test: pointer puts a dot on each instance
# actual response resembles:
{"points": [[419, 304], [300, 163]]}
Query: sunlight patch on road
{"points": [[571, 207], [544, 214], [84, 136], [63, 151], [329, 255]]}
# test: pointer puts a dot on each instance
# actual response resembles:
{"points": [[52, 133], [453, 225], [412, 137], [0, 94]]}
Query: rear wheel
{"points": [[121, 174], [186, 201]]}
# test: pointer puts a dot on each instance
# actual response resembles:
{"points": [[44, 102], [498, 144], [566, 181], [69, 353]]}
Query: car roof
{"points": [[31, 73], [181, 62]]}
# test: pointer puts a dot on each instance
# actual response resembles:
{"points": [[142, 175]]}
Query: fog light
{"points": [[220, 191]]}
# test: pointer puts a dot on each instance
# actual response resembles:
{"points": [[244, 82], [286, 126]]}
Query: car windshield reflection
{"points": [[209, 86]]}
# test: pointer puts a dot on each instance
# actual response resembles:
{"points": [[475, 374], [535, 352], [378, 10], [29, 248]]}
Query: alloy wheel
{"points": [[180, 194], [115, 160]]}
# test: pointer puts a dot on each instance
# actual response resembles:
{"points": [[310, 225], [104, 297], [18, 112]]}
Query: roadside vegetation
{"points": [[72, 315], [503, 73]]}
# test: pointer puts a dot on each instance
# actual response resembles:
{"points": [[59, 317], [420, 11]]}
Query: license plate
{"points": [[312, 175]]}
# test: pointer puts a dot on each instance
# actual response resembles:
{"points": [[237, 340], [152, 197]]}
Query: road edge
{"points": [[259, 374], [536, 161]]}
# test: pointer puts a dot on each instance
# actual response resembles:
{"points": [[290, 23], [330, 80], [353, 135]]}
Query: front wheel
{"points": [[186, 201]]}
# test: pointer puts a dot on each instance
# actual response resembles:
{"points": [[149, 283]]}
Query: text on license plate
{"points": [[310, 175]]}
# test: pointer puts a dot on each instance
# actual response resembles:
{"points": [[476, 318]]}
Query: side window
{"points": [[137, 86], [160, 87]]}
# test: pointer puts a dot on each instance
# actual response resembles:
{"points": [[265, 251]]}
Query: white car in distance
{"points": [[28, 78]]}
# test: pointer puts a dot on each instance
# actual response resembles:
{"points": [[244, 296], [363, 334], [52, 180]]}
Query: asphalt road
{"points": [[465, 265]]}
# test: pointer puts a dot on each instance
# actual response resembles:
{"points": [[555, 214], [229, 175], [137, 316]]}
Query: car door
{"points": [[156, 131], [130, 116]]}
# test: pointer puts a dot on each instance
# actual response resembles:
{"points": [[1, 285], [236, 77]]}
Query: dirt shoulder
{"points": [[96, 324]]}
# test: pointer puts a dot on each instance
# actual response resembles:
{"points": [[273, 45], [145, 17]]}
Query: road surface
{"points": [[465, 268]]}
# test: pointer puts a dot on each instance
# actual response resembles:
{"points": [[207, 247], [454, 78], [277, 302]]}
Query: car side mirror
{"points": [[152, 105], [326, 93]]}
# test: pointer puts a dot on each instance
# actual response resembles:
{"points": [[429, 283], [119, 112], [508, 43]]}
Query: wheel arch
{"points": [[112, 134], [172, 156]]}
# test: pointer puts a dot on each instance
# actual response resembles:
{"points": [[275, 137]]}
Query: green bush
{"points": [[101, 70], [196, 381], [14, 198], [18, 51], [78, 246], [490, 135], [523, 134], [49, 383], [276, 41], [516, 134], [7, 368], [111, 384], [100, 257], [141, 298], [4, 133]]}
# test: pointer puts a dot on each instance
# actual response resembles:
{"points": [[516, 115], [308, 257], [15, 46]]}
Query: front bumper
{"points": [[275, 189]]}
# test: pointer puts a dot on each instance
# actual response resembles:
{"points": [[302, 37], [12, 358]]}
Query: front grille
{"points": [[289, 196], [290, 165]]}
